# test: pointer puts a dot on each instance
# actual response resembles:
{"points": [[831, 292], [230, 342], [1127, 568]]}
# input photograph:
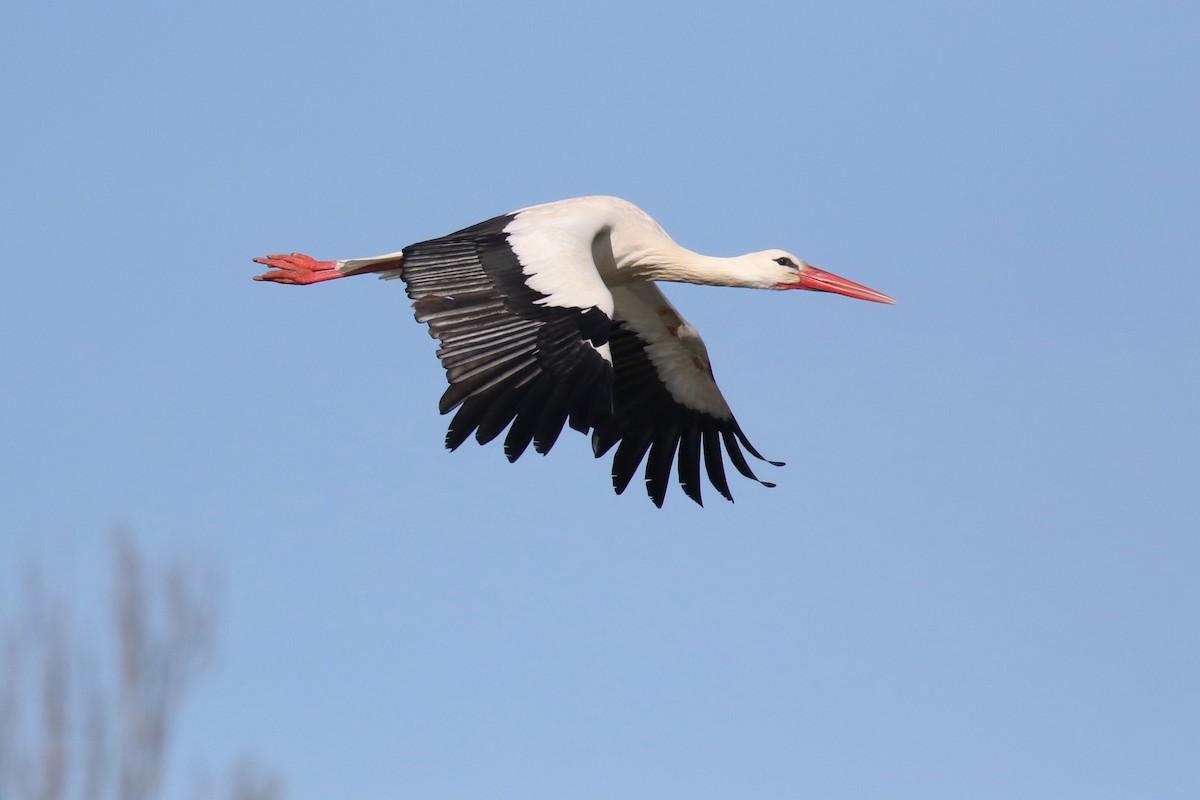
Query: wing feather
{"points": [[714, 463], [661, 460], [513, 359], [689, 460], [667, 407]]}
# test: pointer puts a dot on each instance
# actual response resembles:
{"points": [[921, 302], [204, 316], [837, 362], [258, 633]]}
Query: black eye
{"points": [[784, 261]]}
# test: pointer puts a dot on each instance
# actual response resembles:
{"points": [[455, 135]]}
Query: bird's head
{"points": [[785, 271]]}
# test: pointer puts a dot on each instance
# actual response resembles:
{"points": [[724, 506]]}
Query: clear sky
{"points": [[978, 576]]}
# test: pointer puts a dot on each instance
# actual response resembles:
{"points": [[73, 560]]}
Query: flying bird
{"points": [[551, 316]]}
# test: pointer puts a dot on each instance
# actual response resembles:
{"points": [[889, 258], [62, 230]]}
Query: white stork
{"points": [[550, 315]]}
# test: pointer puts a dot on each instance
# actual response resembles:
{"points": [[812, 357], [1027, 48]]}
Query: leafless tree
{"points": [[69, 727]]}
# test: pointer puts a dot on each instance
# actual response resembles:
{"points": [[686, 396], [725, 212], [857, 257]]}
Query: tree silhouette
{"points": [[71, 728]]}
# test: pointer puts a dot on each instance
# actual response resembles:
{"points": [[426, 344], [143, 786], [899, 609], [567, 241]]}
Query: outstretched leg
{"points": [[298, 269]]}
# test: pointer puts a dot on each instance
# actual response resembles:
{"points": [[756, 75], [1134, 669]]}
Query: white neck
{"points": [[675, 263]]}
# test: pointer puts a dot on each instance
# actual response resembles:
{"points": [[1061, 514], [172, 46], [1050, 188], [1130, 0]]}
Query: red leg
{"points": [[297, 269]]}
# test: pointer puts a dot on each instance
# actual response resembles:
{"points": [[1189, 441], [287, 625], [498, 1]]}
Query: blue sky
{"points": [[978, 575]]}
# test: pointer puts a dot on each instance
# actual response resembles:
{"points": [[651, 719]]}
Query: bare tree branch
{"points": [[95, 741], [250, 782], [55, 671], [82, 739], [10, 668]]}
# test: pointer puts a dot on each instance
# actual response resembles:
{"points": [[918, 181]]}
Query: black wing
{"points": [[667, 407], [512, 359]]}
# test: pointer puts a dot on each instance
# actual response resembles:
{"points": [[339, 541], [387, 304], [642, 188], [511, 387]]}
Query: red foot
{"points": [[297, 269]]}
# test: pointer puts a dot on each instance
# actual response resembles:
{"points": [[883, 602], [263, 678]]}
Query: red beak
{"points": [[818, 280]]}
